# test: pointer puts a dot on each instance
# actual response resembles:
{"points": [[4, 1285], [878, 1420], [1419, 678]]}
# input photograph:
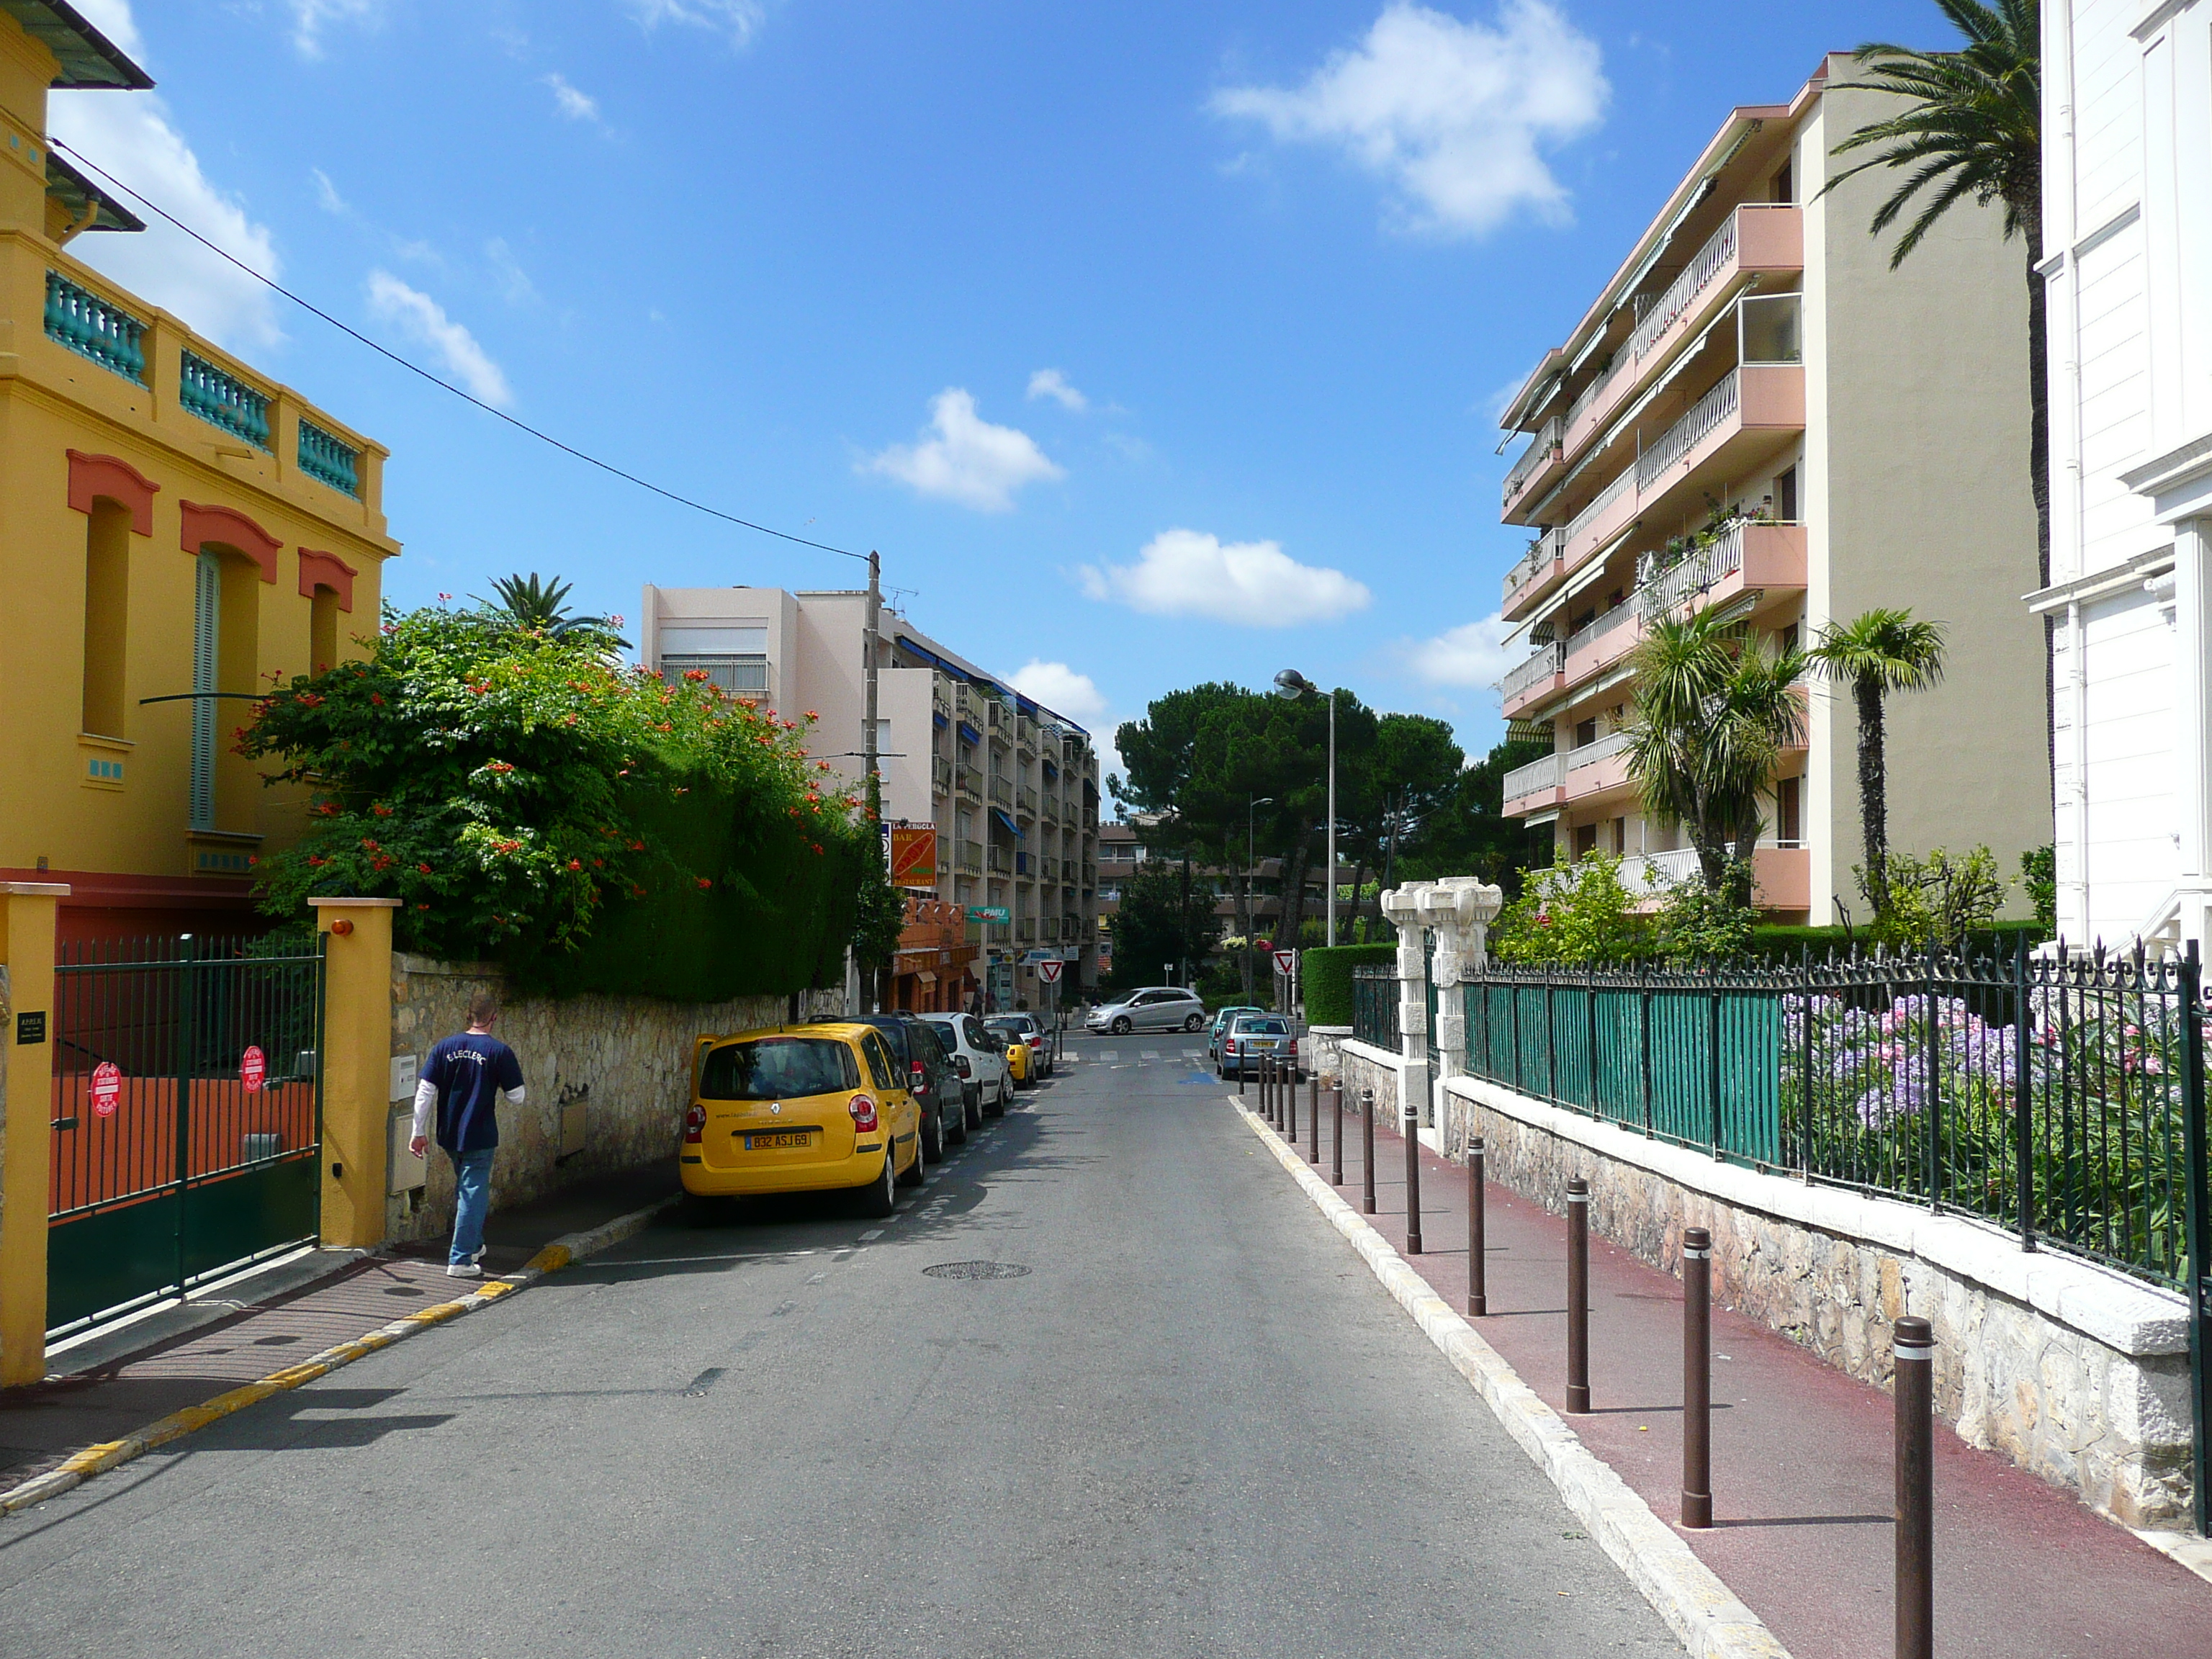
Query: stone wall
{"points": [[626, 1059], [2077, 1374], [1364, 1066]]}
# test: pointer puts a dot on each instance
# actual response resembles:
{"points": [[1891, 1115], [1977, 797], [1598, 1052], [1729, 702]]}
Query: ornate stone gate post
{"points": [[1403, 905], [1458, 911]]}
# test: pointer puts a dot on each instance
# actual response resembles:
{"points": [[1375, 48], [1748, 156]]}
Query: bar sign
{"points": [[31, 1028]]}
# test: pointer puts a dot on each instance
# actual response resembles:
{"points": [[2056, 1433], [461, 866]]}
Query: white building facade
{"points": [[1009, 786], [2128, 273]]}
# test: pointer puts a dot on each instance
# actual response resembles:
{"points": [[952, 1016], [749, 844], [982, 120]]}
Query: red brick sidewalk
{"points": [[1803, 1471], [44, 1423]]}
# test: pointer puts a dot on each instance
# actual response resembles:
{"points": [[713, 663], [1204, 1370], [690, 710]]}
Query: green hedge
{"points": [[1328, 974], [775, 921], [1781, 944]]}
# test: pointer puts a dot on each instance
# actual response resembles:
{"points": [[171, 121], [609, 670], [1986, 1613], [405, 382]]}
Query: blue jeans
{"points": [[471, 1202]]}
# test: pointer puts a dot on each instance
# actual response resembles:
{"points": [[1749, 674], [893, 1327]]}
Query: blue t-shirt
{"points": [[468, 1072]]}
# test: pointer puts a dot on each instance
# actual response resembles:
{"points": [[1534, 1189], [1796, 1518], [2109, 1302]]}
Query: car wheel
{"points": [[932, 1137], [880, 1195], [997, 1108], [912, 1175], [957, 1131], [1196, 1023], [1122, 1026]]}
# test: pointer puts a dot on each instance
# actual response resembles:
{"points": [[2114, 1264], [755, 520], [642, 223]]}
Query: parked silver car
{"points": [[1155, 1008], [1250, 1037], [981, 1061]]}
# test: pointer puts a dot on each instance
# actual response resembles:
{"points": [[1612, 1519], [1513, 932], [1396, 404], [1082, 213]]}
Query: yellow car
{"points": [[800, 1108], [1021, 1059]]}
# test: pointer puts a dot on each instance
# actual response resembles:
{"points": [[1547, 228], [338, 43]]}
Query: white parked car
{"points": [[985, 1077], [1155, 1008]]}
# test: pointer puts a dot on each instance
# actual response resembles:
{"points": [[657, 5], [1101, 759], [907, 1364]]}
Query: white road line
{"points": [[1194, 1054], [872, 1233], [1110, 1056], [1149, 1053]]}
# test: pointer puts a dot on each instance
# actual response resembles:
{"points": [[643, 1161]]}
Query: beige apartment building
{"points": [[1009, 788], [1757, 413]]}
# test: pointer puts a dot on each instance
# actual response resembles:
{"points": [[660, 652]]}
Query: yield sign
{"points": [[1049, 971], [1285, 961]]}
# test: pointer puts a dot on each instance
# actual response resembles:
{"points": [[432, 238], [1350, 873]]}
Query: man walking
{"points": [[463, 1081]]}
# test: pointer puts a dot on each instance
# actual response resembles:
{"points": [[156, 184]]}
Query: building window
{"points": [[1786, 495], [207, 639], [107, 617], [1771, 329], [1585, 840], [1788, 812], [1586, 731], [323, 630], [734, 658], [1785, 187], [1620, 837]]}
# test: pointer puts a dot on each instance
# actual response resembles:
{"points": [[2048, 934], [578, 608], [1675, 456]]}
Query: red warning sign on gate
{"points": [[252, 1068], [107, 1087]]}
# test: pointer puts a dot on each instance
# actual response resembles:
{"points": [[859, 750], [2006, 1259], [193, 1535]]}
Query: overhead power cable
{"points": [[412, 367]]}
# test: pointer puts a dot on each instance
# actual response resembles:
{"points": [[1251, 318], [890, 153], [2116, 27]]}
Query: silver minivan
{"points": [[1155, 1008]]}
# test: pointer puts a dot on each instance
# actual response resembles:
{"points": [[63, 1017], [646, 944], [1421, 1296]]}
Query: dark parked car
{"points": [[930, 1078]]}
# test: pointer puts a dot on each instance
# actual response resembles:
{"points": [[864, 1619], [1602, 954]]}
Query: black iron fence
{"points": [[1375, 1006]]}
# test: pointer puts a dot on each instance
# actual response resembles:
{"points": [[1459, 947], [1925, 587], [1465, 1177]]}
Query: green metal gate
{"points": [[188, 1115]]}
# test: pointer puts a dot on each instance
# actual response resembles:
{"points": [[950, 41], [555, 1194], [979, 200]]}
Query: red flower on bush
{"points": [[498, 766], [704, 882], [576, 864], [381, 811], [377, 697], [425, 869], [317, 860]]}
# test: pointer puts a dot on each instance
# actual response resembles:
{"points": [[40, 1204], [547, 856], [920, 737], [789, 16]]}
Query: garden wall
{"points": [[2078, 1374], [626, 1059]]}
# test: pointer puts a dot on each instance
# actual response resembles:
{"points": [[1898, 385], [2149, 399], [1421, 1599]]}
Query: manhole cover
{"points": [[975, 1270]]}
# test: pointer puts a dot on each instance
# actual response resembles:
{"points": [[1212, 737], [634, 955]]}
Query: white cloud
{"points": [[1453, 114], [738, 19], [576, 105], [1064, 691], [327, 196], [112, 18], [969, 460], [514, 283], [1051, 383], [129, 134], [1187, 573], [423, 319], [1475, 654], [309, 18]]}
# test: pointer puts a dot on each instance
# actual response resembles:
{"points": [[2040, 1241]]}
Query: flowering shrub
{"points": [[514, 790]]}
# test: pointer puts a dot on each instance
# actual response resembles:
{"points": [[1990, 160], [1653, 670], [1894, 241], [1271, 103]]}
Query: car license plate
{"points": [[782, 1138]]}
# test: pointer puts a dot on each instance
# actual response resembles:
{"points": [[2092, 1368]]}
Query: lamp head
{"points": [[1292, 683]]}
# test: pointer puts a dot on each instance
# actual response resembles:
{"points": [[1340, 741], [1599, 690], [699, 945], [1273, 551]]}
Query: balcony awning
{"points": [[969, 734], [1007, 818], [939, 720]]}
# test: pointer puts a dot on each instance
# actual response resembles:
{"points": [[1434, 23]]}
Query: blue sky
{"points": [[1151, 342]]}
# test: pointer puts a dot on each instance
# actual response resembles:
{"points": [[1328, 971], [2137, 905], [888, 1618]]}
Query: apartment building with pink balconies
{"points": [[1757, 414]]}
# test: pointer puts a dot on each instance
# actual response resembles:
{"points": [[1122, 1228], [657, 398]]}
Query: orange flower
{"points": [[578, 863], [704, 882]]}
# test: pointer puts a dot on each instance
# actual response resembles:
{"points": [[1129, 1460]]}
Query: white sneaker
{"points": [[464, 1270]]}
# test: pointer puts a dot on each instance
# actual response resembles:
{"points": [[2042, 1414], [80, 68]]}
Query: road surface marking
{"points": [[1149, 1053]]}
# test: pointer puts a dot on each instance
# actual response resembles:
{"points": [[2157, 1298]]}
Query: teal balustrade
{"points": [[327, 460], [223, 400], [88, 325]]}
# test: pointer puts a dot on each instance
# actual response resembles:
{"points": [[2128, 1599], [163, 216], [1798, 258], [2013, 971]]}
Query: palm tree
{"points": [[1876, 652], [1713, 712], [1974, 131], [541, 606]]}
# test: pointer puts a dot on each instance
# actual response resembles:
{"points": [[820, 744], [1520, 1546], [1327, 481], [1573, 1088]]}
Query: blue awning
{"points": [[1000, 813], [939, 720], [970, 735]]}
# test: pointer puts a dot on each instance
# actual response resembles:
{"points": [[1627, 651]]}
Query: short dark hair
{"points": [[482, 1008]]}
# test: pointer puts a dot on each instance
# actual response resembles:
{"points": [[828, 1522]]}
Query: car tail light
{"points": [[917, 1076], [1229, 1047], [1294, 1049], [960, 1063], [863, 1114], [694, 1124]]}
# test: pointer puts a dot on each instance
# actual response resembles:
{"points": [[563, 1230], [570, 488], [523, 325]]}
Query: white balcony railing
{"points": [[1542, 552], [1644, 875], [1549, 660], [1605, 499], [1591, 754], [1541, 447], [1590, 393], [1600, 625], [1537, 775], [1697, 276], [1685, 435], [1697, 574]]}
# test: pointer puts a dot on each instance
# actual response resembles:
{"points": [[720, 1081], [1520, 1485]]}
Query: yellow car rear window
{"points": [[778, 1069]]}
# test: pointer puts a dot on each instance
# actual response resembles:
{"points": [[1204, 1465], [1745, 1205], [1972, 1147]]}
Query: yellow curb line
{"points": [[110, 1453], [1711, 1621]]}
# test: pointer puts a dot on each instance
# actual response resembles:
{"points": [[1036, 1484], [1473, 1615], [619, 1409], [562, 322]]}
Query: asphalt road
{"points": [[1194, 1425]]}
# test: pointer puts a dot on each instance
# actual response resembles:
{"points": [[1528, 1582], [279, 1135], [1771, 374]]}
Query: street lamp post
{"points": [[1252, 802], [1292, 684]]}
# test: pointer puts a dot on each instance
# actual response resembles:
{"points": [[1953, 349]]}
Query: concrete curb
{"points": [[1707, 1616], [112, 1454]]}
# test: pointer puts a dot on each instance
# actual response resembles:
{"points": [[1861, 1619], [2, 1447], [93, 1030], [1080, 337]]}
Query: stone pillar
{"points": [[356, 1067], [1403, 905], [27, 1099], [1458, 911]]}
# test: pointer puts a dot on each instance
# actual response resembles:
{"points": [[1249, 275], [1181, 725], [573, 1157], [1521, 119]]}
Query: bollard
{"points": [[1915, 1489], [1239, 1074], [1289, 1085], [1336, 1137], [1313, 1119], [1411, 1125], [1267, 1100], [1577, 1295], [1367, 1149], [1478, 1293], [1697, 1377]]}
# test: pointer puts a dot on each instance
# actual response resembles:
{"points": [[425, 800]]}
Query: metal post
{"points": [[1240, 1067], [1697, 1377], [1313, 1119], [1478, 1293], [2198, 1247], [1713, 1062], [1332, 822], [1367, 1149], [872, 632], [1412, 1125], [1579, 1393], [188, 1055], [1915, 1489], [1336, 1139], [1288, 1085], [1643, 1041], [2023, 1086]]}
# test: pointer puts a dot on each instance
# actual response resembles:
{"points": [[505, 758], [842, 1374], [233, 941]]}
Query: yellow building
{"points": [[175, 531]]}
